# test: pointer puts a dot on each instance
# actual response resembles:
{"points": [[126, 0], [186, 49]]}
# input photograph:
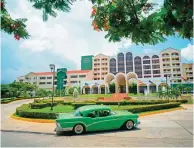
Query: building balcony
{"points": [[175, 61], [189, 75], [166, 61], [166, 67], [189, 70]]}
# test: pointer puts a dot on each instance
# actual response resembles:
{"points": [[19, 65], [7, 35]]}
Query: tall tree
{"points": [[130, 19]]}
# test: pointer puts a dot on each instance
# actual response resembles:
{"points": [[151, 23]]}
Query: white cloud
{"points": [[187, 53], [70, 35]]}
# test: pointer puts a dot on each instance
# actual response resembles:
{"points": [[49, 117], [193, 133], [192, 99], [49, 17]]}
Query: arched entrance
{"points": [[132, 82], [86, 89], [94, 89], [152, 88], [120, 82], [162, 86], [102, 89], [143, 88], [109, 81]]}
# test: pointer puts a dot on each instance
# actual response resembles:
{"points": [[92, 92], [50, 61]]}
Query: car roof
{"points": [[89, 108]]}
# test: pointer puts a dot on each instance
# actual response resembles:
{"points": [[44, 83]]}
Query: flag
{"points": [[150, 81]]}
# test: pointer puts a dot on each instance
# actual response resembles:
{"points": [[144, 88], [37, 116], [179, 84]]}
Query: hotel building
{"points": [[148, 71]]}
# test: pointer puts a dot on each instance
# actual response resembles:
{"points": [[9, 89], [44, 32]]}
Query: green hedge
{"points": [[77, 105], [145, 108], [138, 102], [180, 100]]}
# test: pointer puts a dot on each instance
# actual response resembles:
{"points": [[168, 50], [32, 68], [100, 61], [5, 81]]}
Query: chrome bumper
{"points": [[138, 123], [60, 129]]}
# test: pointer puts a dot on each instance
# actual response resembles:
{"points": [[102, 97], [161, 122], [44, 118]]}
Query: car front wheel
{"points": [[78, 129], [129, 125]]}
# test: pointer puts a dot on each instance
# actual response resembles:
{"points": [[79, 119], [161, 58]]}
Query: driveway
{"points": [[172, 129]]}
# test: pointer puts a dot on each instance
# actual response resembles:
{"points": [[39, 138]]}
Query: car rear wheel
{"points": [[78, 129], [129, 125]]}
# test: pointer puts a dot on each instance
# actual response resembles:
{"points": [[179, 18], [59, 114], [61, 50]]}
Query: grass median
{"points": [[45, 113]]}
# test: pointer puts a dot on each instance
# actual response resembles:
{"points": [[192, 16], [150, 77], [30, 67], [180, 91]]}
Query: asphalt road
{"points": [[172, 129]]}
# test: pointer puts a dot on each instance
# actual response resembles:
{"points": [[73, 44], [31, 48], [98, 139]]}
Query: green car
{"points": [[95, 118]]}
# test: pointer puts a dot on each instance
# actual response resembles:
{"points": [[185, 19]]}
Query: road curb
{"points": [[160, 111], [17, 100], [32, 120], [53, 121]]}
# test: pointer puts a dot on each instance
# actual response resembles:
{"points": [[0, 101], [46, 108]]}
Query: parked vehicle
{"points": [[95, 118]]}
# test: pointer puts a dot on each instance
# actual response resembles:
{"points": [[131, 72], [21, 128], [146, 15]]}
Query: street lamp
{"points": [[52, 67]]}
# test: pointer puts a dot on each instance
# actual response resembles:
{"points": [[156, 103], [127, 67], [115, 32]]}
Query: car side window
{"points": [[92, 114], [104, 113]]}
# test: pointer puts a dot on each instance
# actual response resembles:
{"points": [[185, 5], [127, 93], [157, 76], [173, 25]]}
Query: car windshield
{"points": [[77, 113]]}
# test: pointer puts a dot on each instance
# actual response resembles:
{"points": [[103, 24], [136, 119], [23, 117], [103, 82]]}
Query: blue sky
{"points": [[63, 40]]}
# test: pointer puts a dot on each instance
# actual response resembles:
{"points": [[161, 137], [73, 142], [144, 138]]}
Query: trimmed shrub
{"points": [[180, 100], [77, 105], [40, 115], [66, 103], [41, 105], [139, 109]]}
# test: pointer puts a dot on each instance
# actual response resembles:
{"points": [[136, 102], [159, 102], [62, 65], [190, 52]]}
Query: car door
{"points": [[105, 121]]}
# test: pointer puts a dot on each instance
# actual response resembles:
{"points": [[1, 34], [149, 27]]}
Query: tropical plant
{"points": [[188, 89], [75, 93], [112, 87]]}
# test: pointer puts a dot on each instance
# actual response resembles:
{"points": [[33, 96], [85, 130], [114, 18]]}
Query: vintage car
{"points": [[95, 118]]}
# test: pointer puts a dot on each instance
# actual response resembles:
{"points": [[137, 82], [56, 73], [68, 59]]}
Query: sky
{"points": [[63, 40]]}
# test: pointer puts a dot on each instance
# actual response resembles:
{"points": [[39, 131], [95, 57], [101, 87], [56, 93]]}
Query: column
{"points": [[99, 90], [105, 88], [108, 88], [148, 89], [116, 88], [137, 89], [90, 90], [127, 90], [157, 88]]}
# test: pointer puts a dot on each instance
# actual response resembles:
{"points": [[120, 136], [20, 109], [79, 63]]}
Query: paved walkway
{"points": [[165, 129]]}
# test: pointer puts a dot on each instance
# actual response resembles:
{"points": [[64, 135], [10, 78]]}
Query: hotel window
{"points": [[41, 83], [73, 82], [155, 56], [129, 62], [156, 71], [146, 62], [155, 61], [156, 76], [82, 76], [49, 82], [138, 66], [120, 58], [112, 65], [42, 78], [74, 76], [146, 67], [155, 66], [49, 77], [149, 76], [147, 72]]}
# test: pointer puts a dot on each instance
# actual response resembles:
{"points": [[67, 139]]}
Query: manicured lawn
{"points": [[56, 109], [69, 108], [190, 101]]}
